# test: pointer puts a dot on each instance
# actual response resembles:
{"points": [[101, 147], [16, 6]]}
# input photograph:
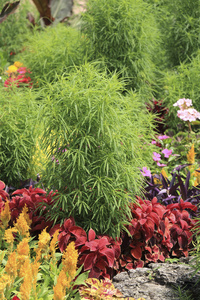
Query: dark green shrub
{"points": [[182, 83], [53, 51], [96, 139], [123, 35], [180, 26], [17, 138]]}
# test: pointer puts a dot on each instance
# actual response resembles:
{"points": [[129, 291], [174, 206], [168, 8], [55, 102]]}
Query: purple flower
{"points": [[166, 152], [156, 156], [146, 172], [161, 165], [163, 137]]}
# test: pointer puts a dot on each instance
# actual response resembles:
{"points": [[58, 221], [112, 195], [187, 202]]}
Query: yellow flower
{"points": [[164, 173], [60, 288], [5, 215], [26, 272], [21, 225], [4, 281], [69, 260], [11, 69], [35, 267], [8, 235], [53, 245], [191, 155], [43, 244], [22, 252], [11, 265], [18, 64]]}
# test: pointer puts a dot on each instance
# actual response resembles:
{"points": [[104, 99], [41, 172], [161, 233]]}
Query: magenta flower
{"points": [[166, 152], [156, 156], [163, 137], [161, 165], [146, 172]]}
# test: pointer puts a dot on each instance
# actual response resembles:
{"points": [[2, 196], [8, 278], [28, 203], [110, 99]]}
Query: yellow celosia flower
{"points": [[11, 69], [53, 244], [44, 239], [69, 260], [18, 64], [26, 215], [4, 281], [26, 272], [60, 288], [22, 226], [11, 265], [35, 267], [5, 215], [22, 252], [191, 155], [8, 235]]}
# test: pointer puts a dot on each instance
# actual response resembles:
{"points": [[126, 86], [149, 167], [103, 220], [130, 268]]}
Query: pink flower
{"points": [[161, 165], [183, 103], [163, 137], [146, 172], [153, 142], [156, 156], [189, 114], [166, 152]]}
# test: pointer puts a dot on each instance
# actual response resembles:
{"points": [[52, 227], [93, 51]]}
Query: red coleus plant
{"points": [[97, 254], [156, 232], [32, 198]]}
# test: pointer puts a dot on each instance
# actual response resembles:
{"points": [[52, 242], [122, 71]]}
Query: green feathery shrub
{"points": [[52, 52], [98, 140], [123, 35], [17, 133]]}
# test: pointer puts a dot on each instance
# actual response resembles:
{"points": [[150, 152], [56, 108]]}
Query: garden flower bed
{"points": [[99, 144]]}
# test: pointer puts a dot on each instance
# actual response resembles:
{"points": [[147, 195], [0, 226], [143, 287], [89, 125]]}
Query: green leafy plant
{"points": [[8, 9], [123, 35], [95, 137]]}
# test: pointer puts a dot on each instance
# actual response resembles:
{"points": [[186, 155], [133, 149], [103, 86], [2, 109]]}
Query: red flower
{"points": [[15, 298]]}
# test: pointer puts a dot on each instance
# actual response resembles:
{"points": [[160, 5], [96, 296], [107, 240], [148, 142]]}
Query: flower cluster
{"points": [[18, 75], [186, 113]]}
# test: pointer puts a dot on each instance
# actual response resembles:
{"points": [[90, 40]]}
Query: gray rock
{"points": [[159, 281]]}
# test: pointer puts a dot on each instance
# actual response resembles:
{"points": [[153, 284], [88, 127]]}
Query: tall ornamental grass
{"points": [[97, 141]]}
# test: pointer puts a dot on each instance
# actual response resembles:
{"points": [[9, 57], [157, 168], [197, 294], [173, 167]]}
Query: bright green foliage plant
{"points": [[17, 133], [52, 52], [97, 140], [123, 35]]}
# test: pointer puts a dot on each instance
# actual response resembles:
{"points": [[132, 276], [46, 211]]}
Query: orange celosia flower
{"points": [[5, 215], [35, 267], [69, 260], [11, 265], [191, 155]]}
